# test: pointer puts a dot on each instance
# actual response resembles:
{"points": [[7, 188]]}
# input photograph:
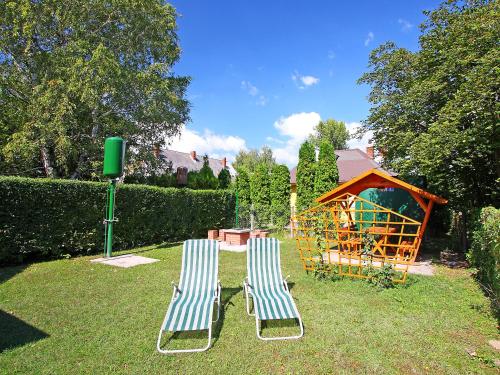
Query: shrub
{"points": [[280, 195], [245, 202], [44, 218], [382, 277], [306, 170], [204, 178], [327, 174], [485, 253], [260, 194], [224, 178]]}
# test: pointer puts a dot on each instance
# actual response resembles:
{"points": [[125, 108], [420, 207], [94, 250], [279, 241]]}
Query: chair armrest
{"points": [[176, 289], [285, 282], [245, 283]]}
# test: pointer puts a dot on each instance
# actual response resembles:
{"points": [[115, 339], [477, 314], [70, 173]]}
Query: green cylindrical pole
{"points": [[110, 217], [237, 210]]}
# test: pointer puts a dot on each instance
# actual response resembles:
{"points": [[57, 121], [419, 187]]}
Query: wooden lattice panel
{"points": [[353, 235]]}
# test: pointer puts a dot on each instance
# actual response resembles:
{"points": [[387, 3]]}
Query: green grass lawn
{"points": [[73, 316]]}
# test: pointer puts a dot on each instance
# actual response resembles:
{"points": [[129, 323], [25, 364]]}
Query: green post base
{"points": [[110, 218]]}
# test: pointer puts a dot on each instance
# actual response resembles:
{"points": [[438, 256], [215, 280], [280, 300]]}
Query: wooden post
{"points": [[426, 220]]}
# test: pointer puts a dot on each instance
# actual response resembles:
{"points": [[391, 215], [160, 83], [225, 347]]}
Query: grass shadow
{"points": [[15, 332], [7, 273], [281, 323], [145, 249]]}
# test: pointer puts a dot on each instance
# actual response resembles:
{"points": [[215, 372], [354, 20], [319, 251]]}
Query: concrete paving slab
{"points": [[125, 261], [495, 344], [418, 268], [234, 248]]}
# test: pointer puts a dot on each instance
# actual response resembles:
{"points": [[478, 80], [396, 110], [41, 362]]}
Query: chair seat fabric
{"points": [[190, 313], [192, 308], [273, 303], [271, 299]]}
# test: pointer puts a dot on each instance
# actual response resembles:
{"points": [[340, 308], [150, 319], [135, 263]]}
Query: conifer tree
{"points": [[327, 174], [305, 176]]}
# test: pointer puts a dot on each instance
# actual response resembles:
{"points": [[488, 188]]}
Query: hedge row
{"points": [[44, 218], [485, 253]]}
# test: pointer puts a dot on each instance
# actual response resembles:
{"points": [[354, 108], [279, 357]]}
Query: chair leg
{"points": [[217, 300], [176, 351], [247, 296], [282, 337]]}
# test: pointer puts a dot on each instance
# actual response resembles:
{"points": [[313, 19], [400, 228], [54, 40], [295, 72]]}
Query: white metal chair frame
{"points": [[175, 294], [248, 294]]}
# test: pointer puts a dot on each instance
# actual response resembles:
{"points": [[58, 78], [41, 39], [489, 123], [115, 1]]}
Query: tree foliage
{"points": [[243, 188], [306, 170], [204, 178], [332, 131], [280, 195], [224, 178], [75, 72], [327, 174], [249, 160], [260, 193], [435, 111], [485, 253]]}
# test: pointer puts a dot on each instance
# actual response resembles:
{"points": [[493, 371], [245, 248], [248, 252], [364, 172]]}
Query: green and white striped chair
{"points": [[191, 307], [265, 285]]}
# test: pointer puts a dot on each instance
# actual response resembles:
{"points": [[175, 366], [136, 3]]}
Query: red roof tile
{"points": [[351, 163]]}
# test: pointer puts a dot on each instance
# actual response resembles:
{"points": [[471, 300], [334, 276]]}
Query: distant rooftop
{"points": [[194, 162], [351, 163]]}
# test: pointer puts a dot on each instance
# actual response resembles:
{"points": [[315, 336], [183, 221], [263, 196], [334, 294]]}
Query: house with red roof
{"points": [[350, 163]]}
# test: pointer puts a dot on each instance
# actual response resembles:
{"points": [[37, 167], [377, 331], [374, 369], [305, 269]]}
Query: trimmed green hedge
{"points": [[485, 252], [44, 218]]}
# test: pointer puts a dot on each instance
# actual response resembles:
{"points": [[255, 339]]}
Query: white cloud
{"points": [[262, 101], [296, 128], [353, 127], [304, 81], [405, 25], [252, 90], [369, 38], [309, 80], [275, 140], [215, 145], [331, 55], [249, 88]]}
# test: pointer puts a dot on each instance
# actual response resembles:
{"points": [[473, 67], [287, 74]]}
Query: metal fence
{"points": [[278, 221]]}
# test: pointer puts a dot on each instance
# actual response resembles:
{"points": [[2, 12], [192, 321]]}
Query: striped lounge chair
{"points": [[191, 307], [265, 285]]}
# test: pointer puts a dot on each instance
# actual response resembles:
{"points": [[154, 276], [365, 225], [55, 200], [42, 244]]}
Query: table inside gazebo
{"points": [[354, 244]]}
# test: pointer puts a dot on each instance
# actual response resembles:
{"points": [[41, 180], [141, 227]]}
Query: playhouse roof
{"points": [[375, 178]]}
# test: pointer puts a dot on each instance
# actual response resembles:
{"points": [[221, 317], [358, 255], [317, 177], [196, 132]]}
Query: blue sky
{"points": [[264, 72]]}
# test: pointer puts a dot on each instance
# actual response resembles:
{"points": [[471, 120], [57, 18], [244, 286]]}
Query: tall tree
{"points": [[435, 111], [243, 188], [306, 170], [260, 193], [74, 72], [204, 178], [280, 195], [331, 131], [249, 160], [327, 173], [224, 178]]}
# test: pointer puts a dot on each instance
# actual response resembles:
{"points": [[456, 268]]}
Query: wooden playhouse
{"points": [[353, 234]]}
